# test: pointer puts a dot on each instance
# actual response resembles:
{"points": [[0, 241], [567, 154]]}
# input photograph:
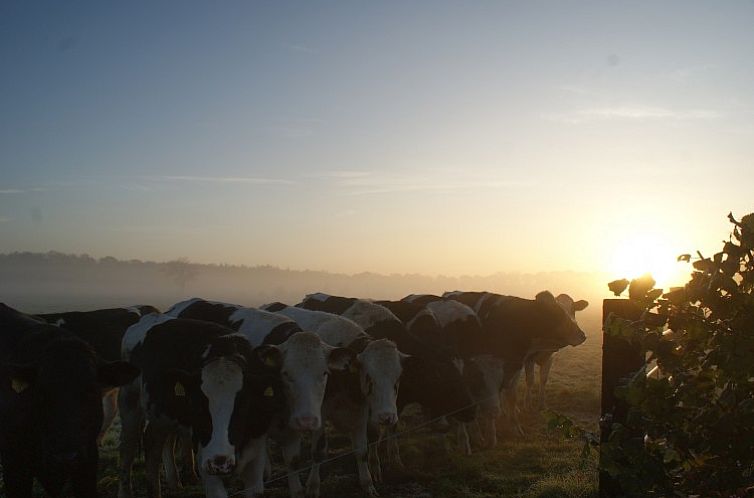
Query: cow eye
{"points": [[325, 373]]}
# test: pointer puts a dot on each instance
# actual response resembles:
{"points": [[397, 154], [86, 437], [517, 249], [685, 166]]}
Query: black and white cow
{"points": [[50, 406], [541, 349], [103, 330], [306, 363], [430, 378], [354, 404], [205, 377]]}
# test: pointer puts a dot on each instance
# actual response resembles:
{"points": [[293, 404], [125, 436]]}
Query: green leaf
{"points": [[618, 286]]}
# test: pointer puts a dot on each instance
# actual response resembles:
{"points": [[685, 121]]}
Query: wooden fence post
{"points": [[620, 359]]}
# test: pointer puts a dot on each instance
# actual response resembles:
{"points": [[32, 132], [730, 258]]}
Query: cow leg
{"points": [[319, 454], [172, 480], [132, 423], [529, 398], [374, 437], [511, 402], [155, 437], [17, 475], [213, 486], [464, 444], [291, 446], [109, 410], [252, 464], [268, 464], [544, 373], [360, 444], [184, 449], [490, 428]]}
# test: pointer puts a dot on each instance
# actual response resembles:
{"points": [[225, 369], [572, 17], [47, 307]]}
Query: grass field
{"points": [[540, 464]]}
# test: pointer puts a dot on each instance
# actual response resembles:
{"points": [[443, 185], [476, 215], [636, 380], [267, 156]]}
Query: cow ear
{"points": [[270, 355], [580, 305], [341, 359], [359, 344], [545, 297], [21, 375], [116, 373]]}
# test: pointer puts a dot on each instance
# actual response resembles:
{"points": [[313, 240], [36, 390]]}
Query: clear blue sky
{"points": [[435, 137]]}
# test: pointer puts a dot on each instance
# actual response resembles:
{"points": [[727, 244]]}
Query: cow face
{"points": [[380, 367], [485, 376], [61, 394], [216, 401], [564, 329], [305, 363]]}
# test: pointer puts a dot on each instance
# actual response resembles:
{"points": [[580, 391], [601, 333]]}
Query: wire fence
{"points": [[374, 443]]}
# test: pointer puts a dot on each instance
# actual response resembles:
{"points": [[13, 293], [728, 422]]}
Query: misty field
{"points": [[541, 464]]}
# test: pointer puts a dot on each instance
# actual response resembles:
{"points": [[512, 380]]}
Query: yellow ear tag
{"points": [[18, 385], [269, 361], [269, 392], [179, 389]]}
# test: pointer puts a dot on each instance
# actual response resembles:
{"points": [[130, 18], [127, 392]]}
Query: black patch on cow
{"points": [[333, 304], [102, 329], [280, 333], [274, 307], [210, 312]]}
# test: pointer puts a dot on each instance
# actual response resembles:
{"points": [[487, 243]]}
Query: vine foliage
{"points": [[690, 425]]}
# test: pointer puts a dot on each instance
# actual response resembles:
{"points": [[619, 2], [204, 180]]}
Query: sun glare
{"points": [[642, 254]]}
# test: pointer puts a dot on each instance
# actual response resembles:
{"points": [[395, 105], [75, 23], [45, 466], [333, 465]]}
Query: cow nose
{"points": [[220, 465], [306, 423], [388, 419]]}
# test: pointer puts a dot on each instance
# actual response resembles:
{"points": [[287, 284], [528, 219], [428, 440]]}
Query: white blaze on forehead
{"points": [[332, 329], [366, 314], [221, 381], [305, 360], [450, 311], [381, 361], [136, 333], [256, 324]]}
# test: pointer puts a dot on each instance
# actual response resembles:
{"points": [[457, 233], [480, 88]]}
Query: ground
{"points": [[540, 464]]}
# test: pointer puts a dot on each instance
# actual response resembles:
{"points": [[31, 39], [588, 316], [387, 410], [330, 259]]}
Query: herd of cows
{"points": [[207, 386]]}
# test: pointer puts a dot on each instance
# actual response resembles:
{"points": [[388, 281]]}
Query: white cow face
{"points": [[305, 363], [564, 328], [221, 381], [380, 368]]}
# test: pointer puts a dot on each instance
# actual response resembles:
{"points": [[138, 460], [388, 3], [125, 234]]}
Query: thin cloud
{"points": [[11, 191], [367, 183], [226, 179], [632, 113]]}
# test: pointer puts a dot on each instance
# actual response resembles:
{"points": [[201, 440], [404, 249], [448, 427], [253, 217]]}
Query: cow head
{"points": [[379, 366], [564, 329], [484, 375], [305, 363], [60, 391], [219, 399]]}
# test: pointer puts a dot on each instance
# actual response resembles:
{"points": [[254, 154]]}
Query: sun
{"points": [[648, 253]]}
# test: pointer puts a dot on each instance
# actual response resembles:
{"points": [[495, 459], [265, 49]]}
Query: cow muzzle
{"points": [[387, 419], [305, 423], [220, 465]]}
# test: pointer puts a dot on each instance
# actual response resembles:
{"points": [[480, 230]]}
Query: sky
{"points": [[394, 137]]}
